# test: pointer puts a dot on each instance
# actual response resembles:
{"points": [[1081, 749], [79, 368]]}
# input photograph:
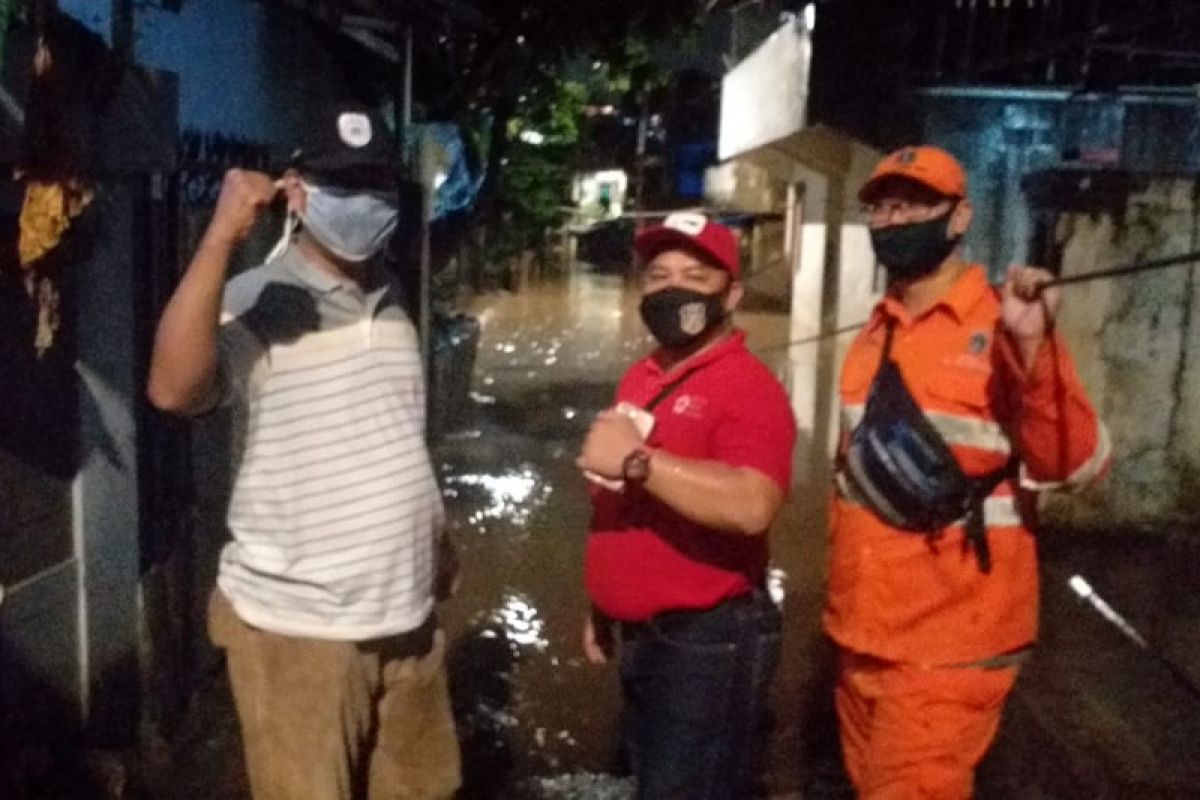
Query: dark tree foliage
{"points": [[482, 71], [501, 67]]}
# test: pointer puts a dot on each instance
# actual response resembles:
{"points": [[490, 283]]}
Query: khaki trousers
{"points": [[335, 720]]}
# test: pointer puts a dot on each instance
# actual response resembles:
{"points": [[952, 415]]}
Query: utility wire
{"points": [[1066, 280]]}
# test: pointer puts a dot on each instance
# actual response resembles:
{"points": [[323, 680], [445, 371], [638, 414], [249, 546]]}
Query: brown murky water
{"points": [[535, 717], [1091, 716]]}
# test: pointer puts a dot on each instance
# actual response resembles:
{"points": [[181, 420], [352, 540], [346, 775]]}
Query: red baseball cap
{"points": [[927, 165], [692, 231]]}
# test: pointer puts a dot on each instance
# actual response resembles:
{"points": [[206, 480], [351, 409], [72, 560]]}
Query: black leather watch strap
{"points": [[636, 466]]}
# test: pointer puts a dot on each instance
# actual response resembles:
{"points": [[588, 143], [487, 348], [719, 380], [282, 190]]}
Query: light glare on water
{"points": [[509, 496], [521, 621]]}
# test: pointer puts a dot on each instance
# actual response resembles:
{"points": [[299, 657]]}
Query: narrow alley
{"points": [[1092, 717], [503, 161]]}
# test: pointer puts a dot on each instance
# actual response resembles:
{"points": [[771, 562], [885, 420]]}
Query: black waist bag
{"points": [[902, 468]]}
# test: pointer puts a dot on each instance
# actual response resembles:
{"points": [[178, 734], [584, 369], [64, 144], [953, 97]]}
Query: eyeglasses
{"points": [[903, 210]]}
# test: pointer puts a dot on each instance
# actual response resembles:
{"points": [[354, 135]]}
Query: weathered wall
{"points": [[998, 140], [1002, 135], [1136, 345]]}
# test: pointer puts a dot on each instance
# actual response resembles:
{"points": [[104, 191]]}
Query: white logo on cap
{"points": [[688, 222], [355, 129]]}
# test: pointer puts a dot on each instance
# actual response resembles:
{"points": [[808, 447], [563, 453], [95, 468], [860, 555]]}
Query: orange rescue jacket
{"points": [[922, 599]]}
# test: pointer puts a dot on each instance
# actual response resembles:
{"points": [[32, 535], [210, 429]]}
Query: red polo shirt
{"points": [[643, 558]]}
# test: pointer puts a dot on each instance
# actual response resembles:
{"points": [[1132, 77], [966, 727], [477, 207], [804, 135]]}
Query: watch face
{"points": [[637, 466]]}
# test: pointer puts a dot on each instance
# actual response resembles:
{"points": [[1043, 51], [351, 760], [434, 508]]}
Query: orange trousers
{"points": [[912, 732]]}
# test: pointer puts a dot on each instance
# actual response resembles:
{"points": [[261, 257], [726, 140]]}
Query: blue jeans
{"points": [[695, 685]]}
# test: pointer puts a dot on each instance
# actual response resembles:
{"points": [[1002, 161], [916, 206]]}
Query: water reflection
{"points": [[777, 585], [509, 496], [520, 621], [537, 721], [483, 672], [480, 666], [590, 785]]}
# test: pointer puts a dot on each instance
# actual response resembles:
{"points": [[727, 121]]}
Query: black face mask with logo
{"points": [[677, 317], [913, 250]]}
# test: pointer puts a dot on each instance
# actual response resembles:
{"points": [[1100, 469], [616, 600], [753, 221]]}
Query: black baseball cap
{"points": [[349, 147]]}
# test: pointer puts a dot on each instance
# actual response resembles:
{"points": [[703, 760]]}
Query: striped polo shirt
{"points": [[335, 506]]}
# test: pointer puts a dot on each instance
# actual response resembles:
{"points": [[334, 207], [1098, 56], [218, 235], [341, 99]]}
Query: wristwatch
{"points": [[636, 466]]}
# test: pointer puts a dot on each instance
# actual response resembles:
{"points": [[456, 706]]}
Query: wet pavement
{"points": [[534, 717], [1092, 717]]}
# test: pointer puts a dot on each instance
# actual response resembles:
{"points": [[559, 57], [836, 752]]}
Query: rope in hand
{"points": [[1066, 280]]}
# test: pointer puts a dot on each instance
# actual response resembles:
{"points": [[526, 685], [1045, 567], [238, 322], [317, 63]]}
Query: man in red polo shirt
{"points": [[677, 550]]}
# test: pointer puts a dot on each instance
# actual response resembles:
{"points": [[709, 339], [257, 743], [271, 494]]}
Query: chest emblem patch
{"points": [[689, 405]]}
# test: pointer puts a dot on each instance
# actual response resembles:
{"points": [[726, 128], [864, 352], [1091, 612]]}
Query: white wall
{"points": [[815, 309], [765, 97]]}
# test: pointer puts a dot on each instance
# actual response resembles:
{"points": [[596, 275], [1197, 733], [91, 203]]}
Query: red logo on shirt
{"points": [[689, 405]]}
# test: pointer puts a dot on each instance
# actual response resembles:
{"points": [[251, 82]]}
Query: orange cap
{"points": [[927, 165]]}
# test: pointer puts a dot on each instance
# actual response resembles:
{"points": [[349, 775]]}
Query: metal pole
{"points": [[122, 28], [789, 223], [426, 322], [404, 104], [640, 152], [406, 118], [425, 313]]}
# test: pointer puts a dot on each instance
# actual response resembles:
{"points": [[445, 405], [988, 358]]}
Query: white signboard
{"points": [[764, 97]]}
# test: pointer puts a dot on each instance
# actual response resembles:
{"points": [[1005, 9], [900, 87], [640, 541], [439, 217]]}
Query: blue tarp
{"points": [[442, 150]]}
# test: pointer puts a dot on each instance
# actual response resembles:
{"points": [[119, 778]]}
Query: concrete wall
{"points": [[1137, 348], [998, 140], [1002, 135]]}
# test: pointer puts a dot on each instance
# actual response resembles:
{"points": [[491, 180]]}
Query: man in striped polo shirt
{"points": [[325, 595]]}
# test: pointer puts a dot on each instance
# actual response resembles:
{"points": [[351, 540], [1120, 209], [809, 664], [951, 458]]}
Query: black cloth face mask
{"points": [[915, 249], [677, 317]]}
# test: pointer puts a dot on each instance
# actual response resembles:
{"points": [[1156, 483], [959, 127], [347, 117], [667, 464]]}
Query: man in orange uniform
{"points": [[958, 403]]}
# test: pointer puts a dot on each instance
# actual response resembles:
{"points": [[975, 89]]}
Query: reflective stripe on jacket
{"points": [[923, 599]]}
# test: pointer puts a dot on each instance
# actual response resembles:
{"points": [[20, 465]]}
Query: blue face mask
{"points": [[353, 225]]}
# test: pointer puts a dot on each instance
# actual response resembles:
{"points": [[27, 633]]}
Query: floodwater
{"points": [[1092, 716], [535, 718]]}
